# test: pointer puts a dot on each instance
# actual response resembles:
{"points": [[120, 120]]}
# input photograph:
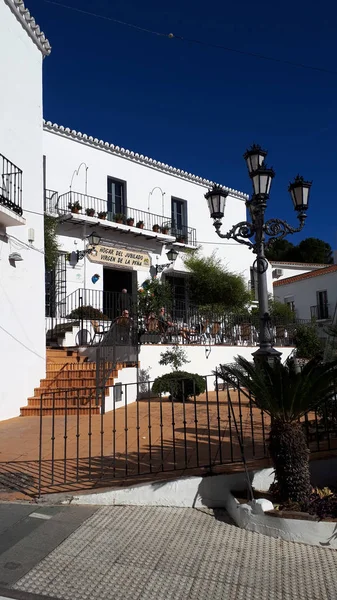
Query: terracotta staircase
{"points": [[69, 386]]}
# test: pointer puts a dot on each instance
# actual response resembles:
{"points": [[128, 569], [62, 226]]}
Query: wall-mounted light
{"points": [[15, 257], [172, 254], [94, 240], [31, 235]]}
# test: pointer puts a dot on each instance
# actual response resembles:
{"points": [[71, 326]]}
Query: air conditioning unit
{"points": [[277, 273]]}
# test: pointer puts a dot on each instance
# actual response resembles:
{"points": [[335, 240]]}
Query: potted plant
{"points": [[181, 238], [130, 221], [119, 218], [74, 207], [140, 225], [90, 212], [156, 228], [165, 228], [102, 215]]}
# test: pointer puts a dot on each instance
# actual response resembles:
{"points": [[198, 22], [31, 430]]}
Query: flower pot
{"points": [[75, 210], [156, 228], [90, 213], [141, 226], [165, 231], [130, 222], [119, 221]]}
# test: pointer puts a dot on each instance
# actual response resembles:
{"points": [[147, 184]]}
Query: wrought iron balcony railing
{"points": [[96, 207], [10, 185], [320, 311]]}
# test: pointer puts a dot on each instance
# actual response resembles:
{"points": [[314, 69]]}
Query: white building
{"points": [[109, 179], [22, 335], [312, 294]]}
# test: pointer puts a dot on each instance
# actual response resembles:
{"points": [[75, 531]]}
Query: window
{"points": [[116, 196], [179, 217], [322, 305], [290, 301]]}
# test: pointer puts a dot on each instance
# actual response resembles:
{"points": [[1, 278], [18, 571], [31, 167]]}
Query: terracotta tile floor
{"points": [[144, 440]]}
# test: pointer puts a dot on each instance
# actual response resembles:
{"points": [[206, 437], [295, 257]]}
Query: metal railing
{"points": [[97, 207], [320, 311], [10, 185], [50, 202], [182, 323], [141, 435]]}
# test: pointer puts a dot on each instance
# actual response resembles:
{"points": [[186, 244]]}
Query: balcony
{"points": [[10, 193], [320, 312], [82, 204]]}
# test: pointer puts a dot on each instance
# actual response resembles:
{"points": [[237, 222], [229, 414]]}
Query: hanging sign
{"points": [[120, 257]]}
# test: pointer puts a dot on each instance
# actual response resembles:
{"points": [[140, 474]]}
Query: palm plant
{"points": [[286, 394]]}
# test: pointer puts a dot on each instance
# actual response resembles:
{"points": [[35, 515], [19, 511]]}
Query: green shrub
{"points": [[180, 384], [307, 342], [87, 312]]}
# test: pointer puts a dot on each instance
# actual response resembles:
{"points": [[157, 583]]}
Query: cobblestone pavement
{"points": [[147, 553]]}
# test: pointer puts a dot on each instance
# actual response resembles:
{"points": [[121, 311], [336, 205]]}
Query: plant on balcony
{"points": [[74, 207], [90, 212], [102, 215], [140, 224], [130, 221], [165, 228], [286, 394], [119, 218], [156, 228], [182, 239]]}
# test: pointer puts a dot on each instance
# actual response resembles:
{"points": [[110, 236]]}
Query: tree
{"points": [[279, 250], [153, 295], [211, 285], [307, 341], [51, 248], [286, 394], [313, 250], [310, 250], [176, 357]]}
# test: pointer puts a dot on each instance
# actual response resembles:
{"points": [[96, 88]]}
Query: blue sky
{"points": [[196, 107]]}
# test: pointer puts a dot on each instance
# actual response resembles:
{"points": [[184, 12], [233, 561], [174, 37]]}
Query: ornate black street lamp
{"points": [[253, 233]]}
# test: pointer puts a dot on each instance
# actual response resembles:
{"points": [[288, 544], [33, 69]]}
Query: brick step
{"points": [[68, 393], [90, 377], [28, 411], [48, 402], [66, 385]]}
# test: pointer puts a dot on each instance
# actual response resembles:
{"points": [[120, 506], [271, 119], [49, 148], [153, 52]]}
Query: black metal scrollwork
{"points": [[277, 229], [240, 232]]}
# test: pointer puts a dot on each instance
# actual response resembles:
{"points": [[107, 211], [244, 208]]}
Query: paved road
{"points": [[146, 553]]}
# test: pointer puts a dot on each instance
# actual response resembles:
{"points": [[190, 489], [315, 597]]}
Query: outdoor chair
{"points": [[100, 328]]}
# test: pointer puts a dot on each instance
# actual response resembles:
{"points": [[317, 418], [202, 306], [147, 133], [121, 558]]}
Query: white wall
{"points": [[304, 292], [64, 155], [22, 336], [149, 357]]}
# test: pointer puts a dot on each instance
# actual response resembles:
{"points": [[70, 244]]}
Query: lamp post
{"points": [[253, 233]]}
